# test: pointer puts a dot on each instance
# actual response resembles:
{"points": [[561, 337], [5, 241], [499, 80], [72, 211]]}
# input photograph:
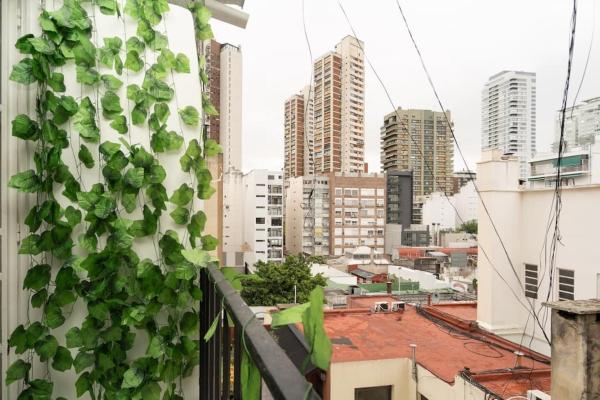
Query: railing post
{"points": [[204, 325]]}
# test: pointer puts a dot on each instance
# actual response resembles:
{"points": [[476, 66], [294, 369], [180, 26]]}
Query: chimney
{"points": [[575, 349], [389, 287]]}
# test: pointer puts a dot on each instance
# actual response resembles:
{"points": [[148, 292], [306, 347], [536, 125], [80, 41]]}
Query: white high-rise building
{"points": [[263, 216], [231, 107], [508, 115], [582, 123]]}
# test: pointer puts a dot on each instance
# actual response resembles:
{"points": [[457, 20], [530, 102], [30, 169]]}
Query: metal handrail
{"points": [[279, 373]]}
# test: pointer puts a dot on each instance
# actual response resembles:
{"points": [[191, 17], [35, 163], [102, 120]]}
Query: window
{"points": [[260, 221], [566, 284], [531, 281], [373, 393]]}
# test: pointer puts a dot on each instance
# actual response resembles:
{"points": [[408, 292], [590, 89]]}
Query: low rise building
{"points": [[447, 213], [509, 289], [331, 214]]}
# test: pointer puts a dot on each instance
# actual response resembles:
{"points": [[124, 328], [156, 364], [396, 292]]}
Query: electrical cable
{"points": [[484, 206], [433, 176]]}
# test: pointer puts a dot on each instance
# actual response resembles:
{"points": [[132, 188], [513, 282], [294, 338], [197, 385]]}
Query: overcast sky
{"points": [[463, 43]]}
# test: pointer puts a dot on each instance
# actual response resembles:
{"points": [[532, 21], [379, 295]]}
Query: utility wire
{"points": [[460, 152], [433, 174]]}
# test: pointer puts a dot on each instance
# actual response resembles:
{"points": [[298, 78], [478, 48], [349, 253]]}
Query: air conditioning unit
{"points": [[398, 306], [381, 306], [537, 395]]}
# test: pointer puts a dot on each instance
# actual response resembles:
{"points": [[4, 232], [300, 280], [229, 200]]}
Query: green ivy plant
{"points": [[81, 244]]}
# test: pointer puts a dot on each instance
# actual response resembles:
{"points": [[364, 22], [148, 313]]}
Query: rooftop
{"points": [[447, 339]]}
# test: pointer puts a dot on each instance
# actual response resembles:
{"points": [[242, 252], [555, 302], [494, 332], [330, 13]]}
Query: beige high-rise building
{"points": [[339, 108], [420, 141], [298, 137]]}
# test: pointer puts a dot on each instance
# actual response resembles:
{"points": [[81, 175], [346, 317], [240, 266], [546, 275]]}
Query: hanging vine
{"points": [[81, 241]]}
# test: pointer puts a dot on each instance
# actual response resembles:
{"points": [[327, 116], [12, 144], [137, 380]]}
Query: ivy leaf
{"points": [[63, 297], [54, 317], [155, 347], [18, 370], [197, 223], [26, 181], [83, 384], [104, 207], [151, 391], [182, 196], [74, 338], [134, 177], [209, 243], [133, 62], [185, 272], [180, 215], [213, 327], [85, 156], [158, 196], [190, 116], [62, 359], [197, 256], [66, 279], [85, 121], [160, 90], [212, 148], [46, 347], [111, 105], [29, 245], [159, 42], [135, 44], [138, 115], [83, 361], [42, 45], [162, 112], [110, 82], [85, 52], [18, 340], [165, 141], [87, 76], [57, 82], [157, 174], [38, 299], [182, 63], [108, 148], [108, 7], [204, 189], [119, 124], [314, 332], [132, 378], [37, 277], [24, 45], [166, 59], [208, 107], [25, 128], [189, 323], [22, 72]]}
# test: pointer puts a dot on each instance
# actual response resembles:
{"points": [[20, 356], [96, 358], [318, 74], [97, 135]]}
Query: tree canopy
{"points": [[274, 283], [469, 227]]}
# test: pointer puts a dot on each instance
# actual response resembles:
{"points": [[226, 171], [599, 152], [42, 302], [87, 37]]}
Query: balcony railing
{"points": [[225, 347]]}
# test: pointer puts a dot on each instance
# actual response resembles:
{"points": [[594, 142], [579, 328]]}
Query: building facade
{"points": [[263, 216], [298, 134], [461, 178], [419, 141], [582, 123], [339, 109], [521, 217], [332, 214], [508, 115], [399, 207], [231, 107], [447, 213]]}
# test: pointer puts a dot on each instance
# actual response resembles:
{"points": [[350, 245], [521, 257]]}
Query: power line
{"points": [[433, 174], [485, 208]]}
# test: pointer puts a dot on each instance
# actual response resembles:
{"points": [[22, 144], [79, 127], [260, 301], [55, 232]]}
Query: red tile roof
{"points": [[445, 348], [466, 311]]}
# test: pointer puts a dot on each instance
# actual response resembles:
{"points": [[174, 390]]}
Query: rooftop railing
{"points": [[217, 378]]}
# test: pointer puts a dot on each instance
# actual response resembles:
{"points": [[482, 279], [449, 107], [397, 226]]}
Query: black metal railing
{"points": [[223, 352]]}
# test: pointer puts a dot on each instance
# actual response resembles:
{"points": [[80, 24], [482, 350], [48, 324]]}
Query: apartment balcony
{"points": [[220, 374]]}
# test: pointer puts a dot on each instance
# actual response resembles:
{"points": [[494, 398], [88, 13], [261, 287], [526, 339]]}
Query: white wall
{"points": [[17, 156], [426, 280], [438, 209], [233, 218], [333, 274], [231, 107], [521, 217]]}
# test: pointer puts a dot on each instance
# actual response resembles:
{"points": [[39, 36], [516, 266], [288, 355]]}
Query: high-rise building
{"points": [[419, 141], [582, 123], [461, 178], [508, 115], [298, 138], [339, 108], [399, 207], [231, 107], [263, 216], [331, 214]]}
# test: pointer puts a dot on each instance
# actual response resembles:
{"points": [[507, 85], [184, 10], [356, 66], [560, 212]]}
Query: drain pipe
{"points": [[415, 374]]}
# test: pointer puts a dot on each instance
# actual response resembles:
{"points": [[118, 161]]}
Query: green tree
{"points": [[274, 283], [469, 227]]}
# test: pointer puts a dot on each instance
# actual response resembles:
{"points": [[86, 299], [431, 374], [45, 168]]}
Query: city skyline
{"points": [[451, 62]]}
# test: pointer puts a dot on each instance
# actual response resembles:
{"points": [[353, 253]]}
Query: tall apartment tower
{"points": [[298, 134], [508, 115], [339, 108], [419, 141], [231, 107]]}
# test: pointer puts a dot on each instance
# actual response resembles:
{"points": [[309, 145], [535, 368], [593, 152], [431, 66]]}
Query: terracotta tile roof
{"points": [[466, 311], [444, 348]]}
